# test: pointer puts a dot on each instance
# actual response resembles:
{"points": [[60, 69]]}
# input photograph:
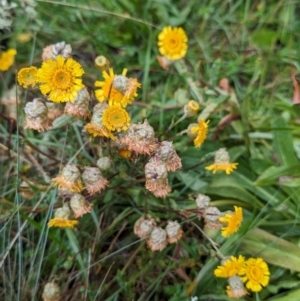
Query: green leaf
{"points": [[283, 142], [272, 249], [191, 180], [291, 296], [271, 175]]}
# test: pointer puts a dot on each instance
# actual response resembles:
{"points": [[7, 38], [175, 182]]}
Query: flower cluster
{"points": [[71, 182], [157, 237], [254, 272]]}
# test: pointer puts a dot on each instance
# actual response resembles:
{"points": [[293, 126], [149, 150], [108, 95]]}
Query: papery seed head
{"points": [[71, 173], [202, 201], [158, 239], [51, 292]]}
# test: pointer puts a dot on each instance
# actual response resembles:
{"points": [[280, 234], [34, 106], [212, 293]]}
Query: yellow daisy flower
{"points": [[256, 273], [172, 43], [222, 162], [27, 77], [117, 89], [198, 132], [62, 223], [7, 58], [115, 118], [59, 79], [230, 267], [233, 221]]}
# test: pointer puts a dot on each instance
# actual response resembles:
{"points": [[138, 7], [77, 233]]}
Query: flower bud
{"points": [[191, 108], [104, 163], [102, 63]]}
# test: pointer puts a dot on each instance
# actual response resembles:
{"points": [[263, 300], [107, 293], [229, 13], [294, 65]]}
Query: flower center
{"points": [[255, 273], [173, 42], [62, 79]]}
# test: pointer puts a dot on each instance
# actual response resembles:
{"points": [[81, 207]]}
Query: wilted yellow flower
{"points": [[256, 273], [61, 218], [198, 132], [222, 162], [233, 221], [27, 77], [115, 118], [172, 43], [230, 267], [69, 178], [116, 89], [7, 58], [59, 79]]}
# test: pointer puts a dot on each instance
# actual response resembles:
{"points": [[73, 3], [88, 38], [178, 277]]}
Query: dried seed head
{"points": [[191, 108], [121, 83], [167, 153], [140, 138], [222, 156], [102, 63], [51, 292], [71, 172], [236, 288], [63, 212], [69, 178], [144, 226], [37, 115], [211, 217], [52, 51], [174, 231], [80, 205], [104, 163], [80, 107], [93, 179], [164, 62], [156, 177], [54, 110], [155, 169], [202, 201], [65, 193], [158, 239]]}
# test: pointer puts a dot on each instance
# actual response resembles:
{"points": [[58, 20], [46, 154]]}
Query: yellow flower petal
{"points": [[233, 221]]}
